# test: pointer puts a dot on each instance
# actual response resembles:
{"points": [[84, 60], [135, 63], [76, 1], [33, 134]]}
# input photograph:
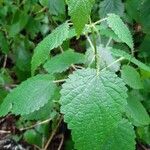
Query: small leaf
{"points": [[53, 40], [92, 106], [120, 29], [80, 10], [63, 61], [29, 96], [3, 43], [121, 53], [136, 111], [131, 77]]}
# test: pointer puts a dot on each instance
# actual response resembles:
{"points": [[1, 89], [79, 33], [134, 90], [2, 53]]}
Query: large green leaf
{"points": [[120, 29], [131, 77], [29, 96], [111, 6], [80, 10], [63, 61], [53, 40], [92, 106], [125, 55], [117, 138]]}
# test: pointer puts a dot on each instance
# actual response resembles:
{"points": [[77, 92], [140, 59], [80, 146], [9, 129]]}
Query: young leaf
{"points": [[29, 96], [120, 29], [92, 106], [52, 41], [63, 61], [121, 53], [131, 77], [136, 111], [80, 10]]}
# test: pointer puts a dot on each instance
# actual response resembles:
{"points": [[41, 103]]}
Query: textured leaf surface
{"points": [[29, 96], [121, 53], [111, 6], [121, 136], [93, 107], [53, 40], [131, 77], [80, 10], [105, 56], [136, 111], [117, 25], [41, 114], [63, 61]]}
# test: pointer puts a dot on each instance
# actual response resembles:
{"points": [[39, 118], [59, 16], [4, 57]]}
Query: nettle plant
{"points": [[92, 98]]}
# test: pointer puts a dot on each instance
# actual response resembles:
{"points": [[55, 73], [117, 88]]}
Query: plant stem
{"points": [[37, 124], [95, 49]]}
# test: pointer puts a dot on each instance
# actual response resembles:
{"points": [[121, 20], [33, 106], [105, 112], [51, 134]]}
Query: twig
{"points": [[99, 21], [4, 132], [59, 81], [95, 49], [61, 142], [109, 41], [78, 67], [40, 11], [73, 67], [53, 133], [32, 126], [61, 49], [90, 42], [5, 61]]}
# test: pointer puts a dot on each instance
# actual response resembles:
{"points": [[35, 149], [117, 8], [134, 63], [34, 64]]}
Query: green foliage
{"points": [[120, 29], [22, 101], [3, 43], [86, 76], [63, 61], [111, 6], [95, 101], [78, 9], [120, 53], [136, 111], [52, 41], [131, 77]]}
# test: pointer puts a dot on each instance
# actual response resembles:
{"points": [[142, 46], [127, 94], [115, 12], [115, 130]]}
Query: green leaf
{"points": [[131, 77], [42, 114], [144, 19], [3, 43], [20, 20], [92, 106], [80, 10], [33, 137], [53, 40], [120, 29], [121, 53], [111, 6], [132, 8], [29, 96], [118, 139], [136, 111], [63, 61]]}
